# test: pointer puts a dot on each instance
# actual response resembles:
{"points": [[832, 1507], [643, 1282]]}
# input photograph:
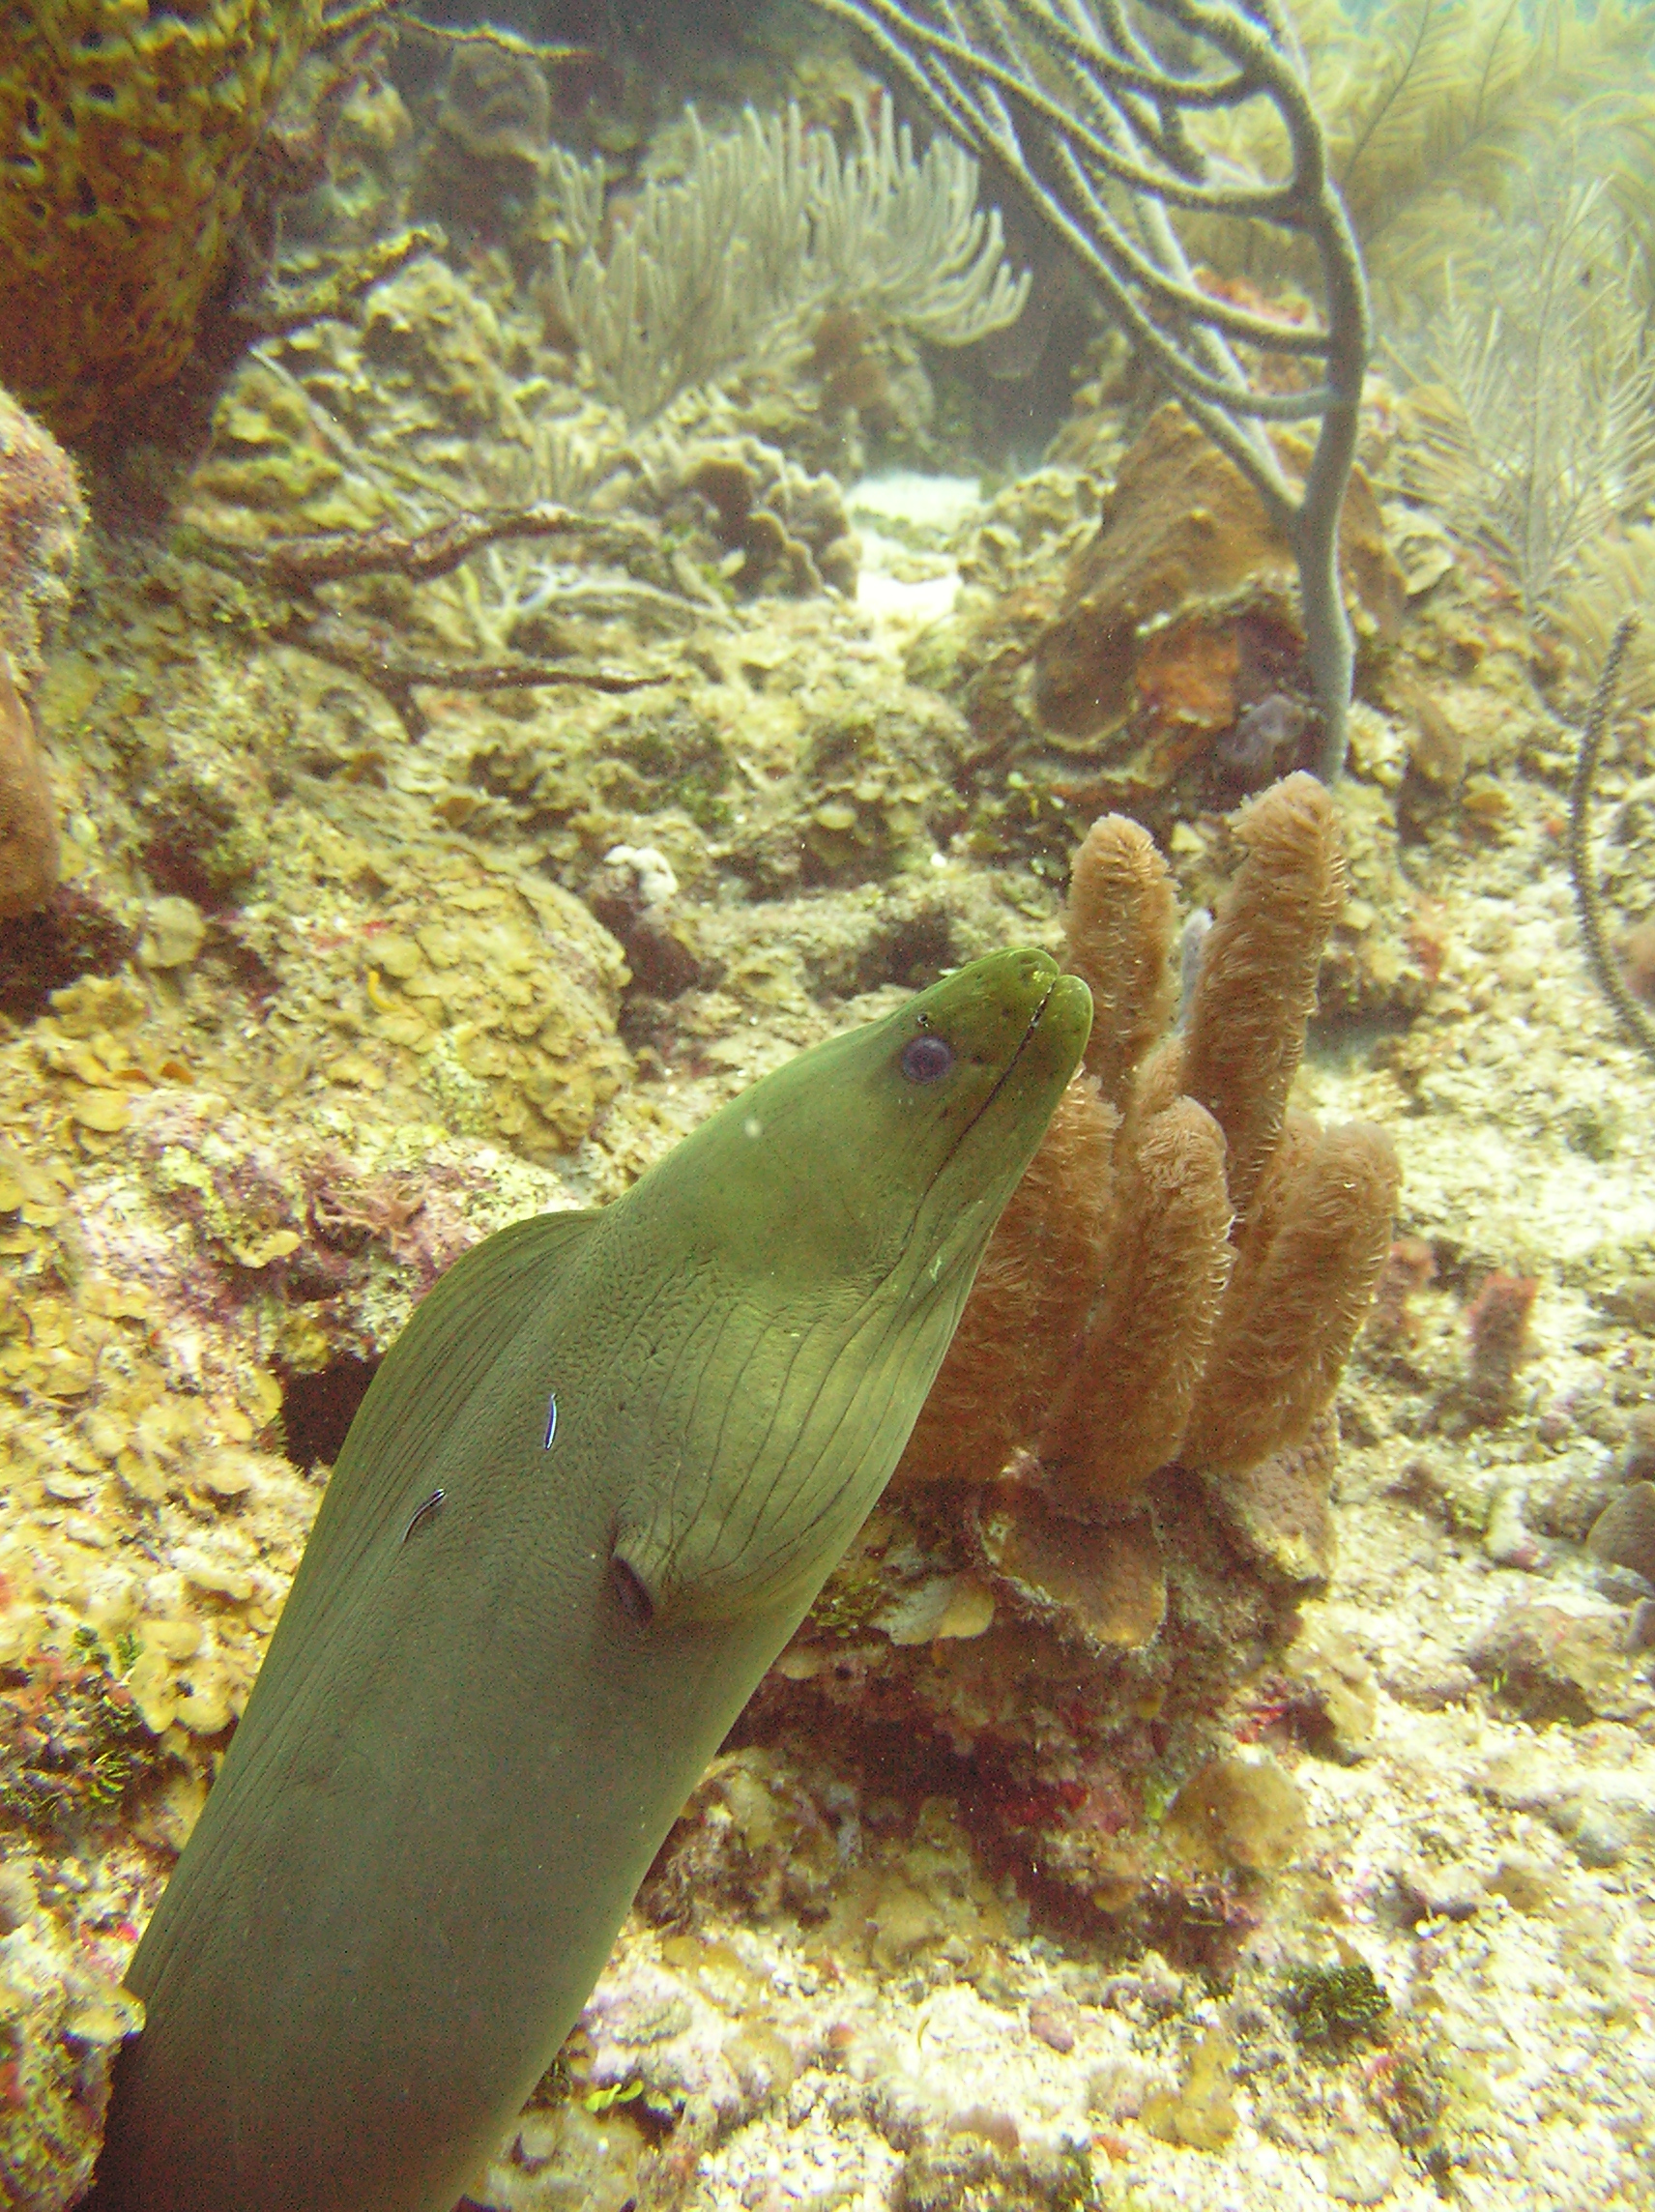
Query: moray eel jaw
{"points": [[595, 1486]]}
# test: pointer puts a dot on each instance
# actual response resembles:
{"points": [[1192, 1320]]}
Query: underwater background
{"points": [[553, 556]]}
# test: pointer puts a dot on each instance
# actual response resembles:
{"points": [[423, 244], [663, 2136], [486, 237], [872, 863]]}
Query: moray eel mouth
{"points": [[1029, 1036]]}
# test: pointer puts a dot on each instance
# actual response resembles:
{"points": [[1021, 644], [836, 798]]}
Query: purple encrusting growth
{"points": [[1265, 742]]}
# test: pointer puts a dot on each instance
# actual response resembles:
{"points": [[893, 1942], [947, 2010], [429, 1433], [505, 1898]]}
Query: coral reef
{"points": [[1429, 118], [481, 171], [63, 2016], [868, 799], [128, 138], [1335, 2004], [1624, 1532], [1103, 164], [1119, 1486], [1206, 696], [1201, 2111], [333, 441], [41, 517], [28, 814], [1496, 1324], [375, 650], [1178, 623], [774, 521], [1063, 1849], [1527, 417]]}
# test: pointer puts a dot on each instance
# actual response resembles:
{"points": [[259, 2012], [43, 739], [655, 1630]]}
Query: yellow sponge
{"points": [[126, 127]]}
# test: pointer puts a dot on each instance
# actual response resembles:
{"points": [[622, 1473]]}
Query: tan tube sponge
{"points": [[1182, 1274]]}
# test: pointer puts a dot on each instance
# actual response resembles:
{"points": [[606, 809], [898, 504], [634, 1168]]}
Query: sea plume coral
{"points": [[1185, 1269], [769, 230], [1528, 418]]}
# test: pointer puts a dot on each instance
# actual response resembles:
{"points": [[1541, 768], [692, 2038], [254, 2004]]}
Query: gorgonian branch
{"points": [[1088, 105]]}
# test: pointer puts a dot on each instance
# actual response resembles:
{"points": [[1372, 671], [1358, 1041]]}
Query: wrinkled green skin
{"points": [[466, 1745]]}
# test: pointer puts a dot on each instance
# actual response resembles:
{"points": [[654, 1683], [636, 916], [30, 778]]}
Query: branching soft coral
{"points": [[1183, 1270]]}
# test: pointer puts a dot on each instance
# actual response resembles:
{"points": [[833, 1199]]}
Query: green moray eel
{"points": [[593, 1488]]}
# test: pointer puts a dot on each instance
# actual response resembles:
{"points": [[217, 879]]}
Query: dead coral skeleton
{"points": [[1182, 1273], [297, 566]]}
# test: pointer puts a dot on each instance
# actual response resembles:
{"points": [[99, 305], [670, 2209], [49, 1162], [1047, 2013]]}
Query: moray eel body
{"points": [[592, 1490]]}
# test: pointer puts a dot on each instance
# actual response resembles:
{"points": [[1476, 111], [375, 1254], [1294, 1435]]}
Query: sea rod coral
{"points": [[1103, 118]]}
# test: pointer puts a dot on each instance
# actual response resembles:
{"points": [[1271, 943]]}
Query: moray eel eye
{"points": [[926, 1057]]}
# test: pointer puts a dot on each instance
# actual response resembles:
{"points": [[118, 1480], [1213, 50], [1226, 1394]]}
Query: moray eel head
{"points": [[849, 1197]]}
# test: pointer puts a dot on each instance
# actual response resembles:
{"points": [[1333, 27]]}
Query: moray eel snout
{"points": [[594, 1487]]}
